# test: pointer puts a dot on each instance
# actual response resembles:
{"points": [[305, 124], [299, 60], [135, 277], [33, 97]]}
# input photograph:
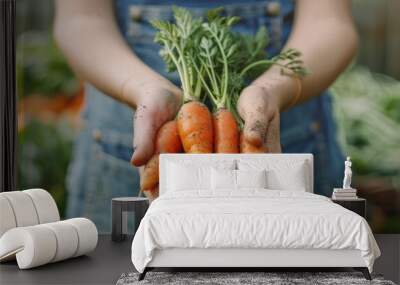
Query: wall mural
{"points": [[69, 138]]}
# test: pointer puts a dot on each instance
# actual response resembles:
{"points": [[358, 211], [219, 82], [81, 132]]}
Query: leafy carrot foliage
{"points": [[211, 59]]}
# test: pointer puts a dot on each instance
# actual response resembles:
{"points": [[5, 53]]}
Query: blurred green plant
{"points": [[41, 68], [44, 152], [367, 111], [44, 148]]}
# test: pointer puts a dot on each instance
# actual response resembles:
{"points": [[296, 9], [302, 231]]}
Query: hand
{"points": [[157, 103], [260, 110]]}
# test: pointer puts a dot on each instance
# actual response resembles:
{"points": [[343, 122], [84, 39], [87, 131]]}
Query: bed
{"points": [[247, 211]]}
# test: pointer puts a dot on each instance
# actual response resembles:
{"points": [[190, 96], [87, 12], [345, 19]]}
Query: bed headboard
{"points": [[204, 159]]}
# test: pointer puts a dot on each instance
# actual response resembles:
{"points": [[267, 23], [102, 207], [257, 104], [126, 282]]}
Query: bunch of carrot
{"points": [[214, 64]]}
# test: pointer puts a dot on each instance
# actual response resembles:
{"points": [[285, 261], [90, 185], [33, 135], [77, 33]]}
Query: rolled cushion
{"points": [[23, 208], [66, 238], [7, 218], [87, 233], [33, 246], [26, 208], [40, 244], [45, 205]]}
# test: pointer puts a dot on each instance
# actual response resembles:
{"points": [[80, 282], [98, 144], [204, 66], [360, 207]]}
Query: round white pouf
{"points": [[23, 208], [7, 218], [45, 205], [87, 233]]}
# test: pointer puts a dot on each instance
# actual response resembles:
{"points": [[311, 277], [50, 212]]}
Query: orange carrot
{"points": [[167, 141], [226, 132], [246, 147], [195, 128], [152, 194], [150, 175]]}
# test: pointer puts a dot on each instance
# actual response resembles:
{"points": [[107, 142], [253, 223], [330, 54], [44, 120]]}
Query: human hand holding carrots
{"points": [[213, 63], [260, 111], [157, 104], [260, 104]]}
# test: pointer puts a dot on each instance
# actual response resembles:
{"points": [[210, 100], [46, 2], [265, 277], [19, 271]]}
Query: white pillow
{"points": [[182, 177], [186, 174], [291, 180], [251, 178], [223, 179], [227, 179], [282, 174]]}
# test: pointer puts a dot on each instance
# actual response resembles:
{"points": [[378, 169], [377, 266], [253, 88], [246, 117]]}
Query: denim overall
{"points": [[100, 168]]}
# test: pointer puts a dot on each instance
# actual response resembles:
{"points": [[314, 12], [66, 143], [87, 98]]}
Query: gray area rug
{"points": [[233, 278]]}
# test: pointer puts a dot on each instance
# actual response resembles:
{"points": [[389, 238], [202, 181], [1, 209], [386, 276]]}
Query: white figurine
{"points": [[347, 174]]}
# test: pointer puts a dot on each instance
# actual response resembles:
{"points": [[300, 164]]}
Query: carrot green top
{"points": [[209, 56]]}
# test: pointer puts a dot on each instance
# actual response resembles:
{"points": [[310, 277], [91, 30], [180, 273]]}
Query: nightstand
{"points": [[119, 210], [357, 205]]}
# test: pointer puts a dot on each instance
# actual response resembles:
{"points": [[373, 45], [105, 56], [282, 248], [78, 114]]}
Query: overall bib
{"points": [[100, 168]]}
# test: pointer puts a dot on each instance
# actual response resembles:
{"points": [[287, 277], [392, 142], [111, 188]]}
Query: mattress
{"points": [[250, 219]]}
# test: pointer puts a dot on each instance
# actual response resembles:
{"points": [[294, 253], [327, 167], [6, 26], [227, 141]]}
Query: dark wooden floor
{"points": [[102, 266], [389, 262], [110, 260]]}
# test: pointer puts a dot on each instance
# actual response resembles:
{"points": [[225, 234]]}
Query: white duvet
{"points": [[254, 218]]}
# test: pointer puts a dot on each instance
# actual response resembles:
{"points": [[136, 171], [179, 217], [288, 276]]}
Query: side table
{"points": [[119, 210], [357, 205]]}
